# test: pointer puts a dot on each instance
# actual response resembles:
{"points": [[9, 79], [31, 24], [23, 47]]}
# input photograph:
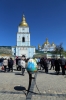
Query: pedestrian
{"points": [[5, 64], [63, 62], [57, 66], [22, 64], [11, 64], [52, 63]]}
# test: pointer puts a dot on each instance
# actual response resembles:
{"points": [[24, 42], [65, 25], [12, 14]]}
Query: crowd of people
{"points": [[4, 62], [7, 64], [56, 64], [43, 62]]}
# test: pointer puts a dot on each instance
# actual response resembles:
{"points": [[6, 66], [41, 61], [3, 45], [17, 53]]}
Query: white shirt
{"points": [[5, 62], [22, 63]]}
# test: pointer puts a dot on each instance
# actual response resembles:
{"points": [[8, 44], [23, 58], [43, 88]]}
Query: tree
{"points": [[64, 53], [59, 49]]}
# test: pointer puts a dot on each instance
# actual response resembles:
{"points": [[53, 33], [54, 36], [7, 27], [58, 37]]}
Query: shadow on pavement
{"points": [[18, 73], [41, 71], [19, 88], [50, 73], [34, 93], [55, 73]]}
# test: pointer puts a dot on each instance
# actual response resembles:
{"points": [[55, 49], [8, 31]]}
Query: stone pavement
{"points": [[51, 86], [13, 86]]}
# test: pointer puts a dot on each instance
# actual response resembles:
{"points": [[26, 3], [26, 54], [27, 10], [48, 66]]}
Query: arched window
{"points": [[23, 39]]}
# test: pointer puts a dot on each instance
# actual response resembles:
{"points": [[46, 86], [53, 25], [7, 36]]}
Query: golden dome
{"points": [[53, 44], [39, 46], [23, 23], [45, 43]]}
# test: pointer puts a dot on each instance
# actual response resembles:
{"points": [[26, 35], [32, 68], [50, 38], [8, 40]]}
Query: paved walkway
{"points": [[13, 86], [51, 87]]}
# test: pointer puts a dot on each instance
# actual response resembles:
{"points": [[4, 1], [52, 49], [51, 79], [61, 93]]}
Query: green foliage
{"points": [[64, 53], [37, 51], [8, 47], [59, 49], [5, 50]]}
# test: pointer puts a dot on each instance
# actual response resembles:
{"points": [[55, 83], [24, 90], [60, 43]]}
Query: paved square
{"points": [[51, 86]]}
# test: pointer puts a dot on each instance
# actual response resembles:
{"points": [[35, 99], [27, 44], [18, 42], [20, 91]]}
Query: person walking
{"points": [[57, 66], [52, 64], [11, 64], [63, 63], [22, 64], [5, 64]]}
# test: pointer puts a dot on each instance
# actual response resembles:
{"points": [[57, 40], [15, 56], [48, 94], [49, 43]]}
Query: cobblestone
{"points": [[13, 86], [51, 86]]}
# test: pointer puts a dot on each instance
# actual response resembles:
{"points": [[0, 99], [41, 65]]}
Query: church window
{"points": [[23, 39]]}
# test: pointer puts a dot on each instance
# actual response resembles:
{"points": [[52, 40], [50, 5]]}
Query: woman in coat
{"points": [[57, 66]]}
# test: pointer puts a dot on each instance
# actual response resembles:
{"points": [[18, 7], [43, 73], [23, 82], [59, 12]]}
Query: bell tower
{"points": [[23, 35], [23, 41]]}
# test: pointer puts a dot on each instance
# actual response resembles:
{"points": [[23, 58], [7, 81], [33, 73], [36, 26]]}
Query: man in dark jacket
{"points": [[11, 64], [63, 62], [52, 63], [57, 66]]}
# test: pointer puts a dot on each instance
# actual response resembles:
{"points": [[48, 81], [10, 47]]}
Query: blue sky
{"points": [[46, 19]]}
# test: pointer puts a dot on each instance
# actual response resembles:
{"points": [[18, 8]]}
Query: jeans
{"points": [[23, 70]]}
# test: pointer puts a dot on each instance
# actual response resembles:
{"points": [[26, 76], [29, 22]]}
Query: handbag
{"points": [[65, 66], [2, 68]]}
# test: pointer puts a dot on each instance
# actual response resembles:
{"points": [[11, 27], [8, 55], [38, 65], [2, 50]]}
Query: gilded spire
{"points": [[23, 18], [23, 23], [46, 41], [39, 46]]}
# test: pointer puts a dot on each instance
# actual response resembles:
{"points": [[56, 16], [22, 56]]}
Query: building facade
{"points": [[47, 46], [23, 41]]}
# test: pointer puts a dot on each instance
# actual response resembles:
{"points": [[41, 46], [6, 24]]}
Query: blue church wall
{"points": [[30, 52], [18, 43], [13, 51], [23, 42], [19, 40], [22, 29], [17, 51], [19, 36], [23, 34]]}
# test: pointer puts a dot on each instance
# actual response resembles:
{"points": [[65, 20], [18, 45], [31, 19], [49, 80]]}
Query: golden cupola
{"points": [[23, 23], [45, 43], [39, 46], [53, 44]]}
